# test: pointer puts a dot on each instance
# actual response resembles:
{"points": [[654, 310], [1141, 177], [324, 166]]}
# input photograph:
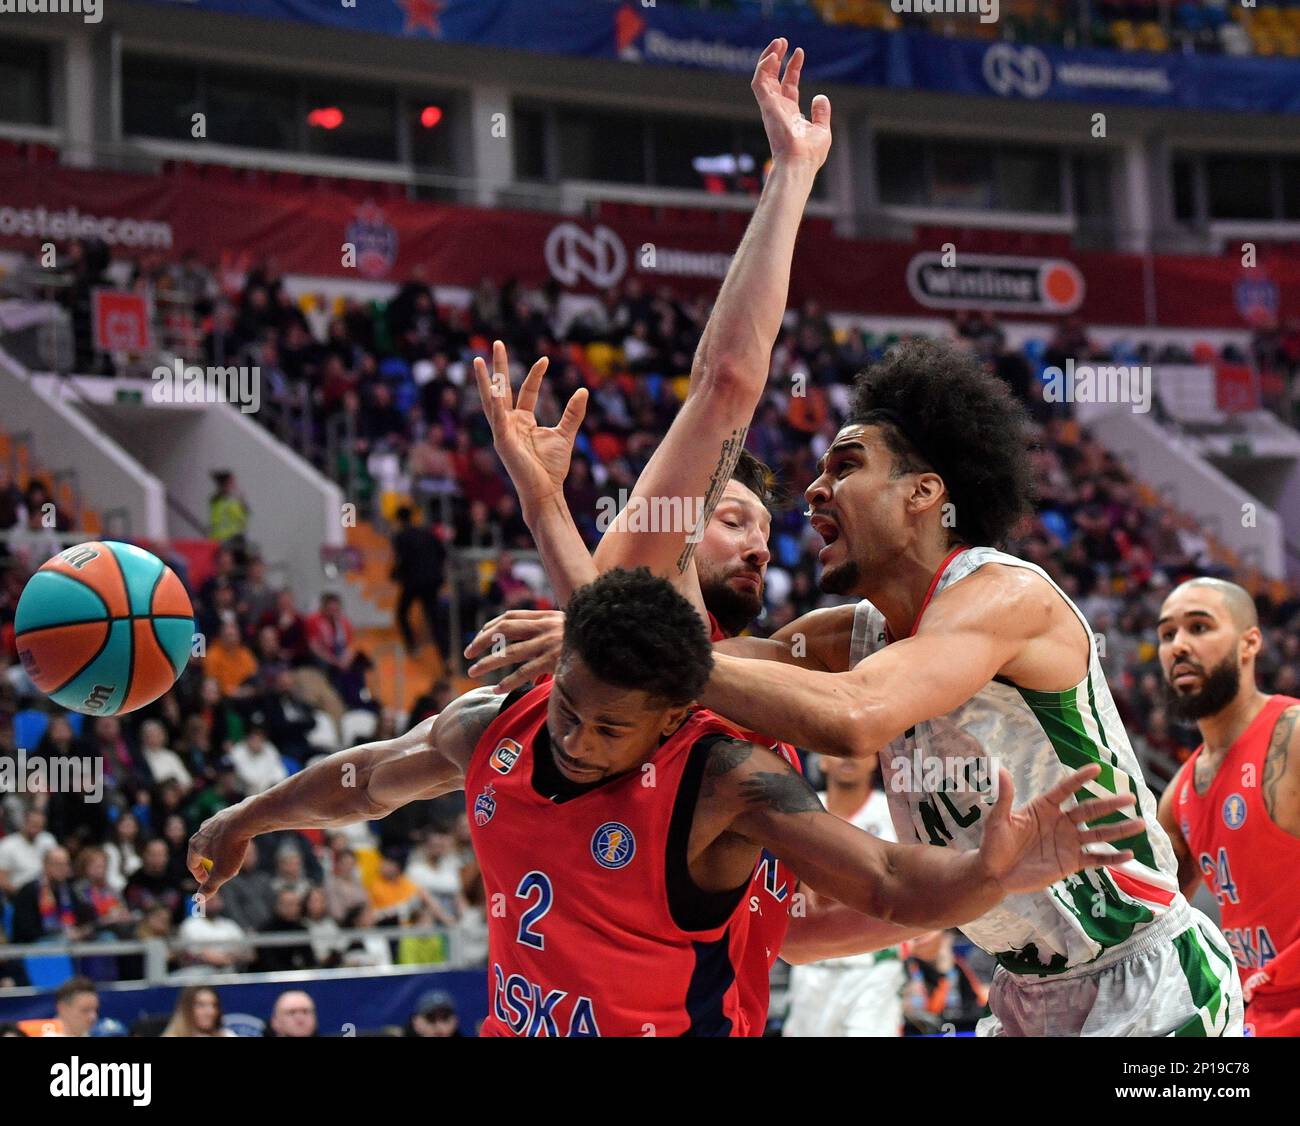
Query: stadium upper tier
{"points": [[1205, 26]]}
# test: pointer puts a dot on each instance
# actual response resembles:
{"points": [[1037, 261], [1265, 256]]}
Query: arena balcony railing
{"points": [[157, 954]]}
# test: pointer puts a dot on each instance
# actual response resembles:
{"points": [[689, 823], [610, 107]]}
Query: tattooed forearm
{"points": [[783, 793], [722, 472], [1279, 747]]}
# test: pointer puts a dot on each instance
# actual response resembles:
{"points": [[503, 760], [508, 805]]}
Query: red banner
{"points": [[308, 228], [121, 321]]}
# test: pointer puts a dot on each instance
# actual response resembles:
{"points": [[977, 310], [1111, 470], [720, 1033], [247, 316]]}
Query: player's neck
{"points": [[901, 591], [845, 801], [1221, 730]]}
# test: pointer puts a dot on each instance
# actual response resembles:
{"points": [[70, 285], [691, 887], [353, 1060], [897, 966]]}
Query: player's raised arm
{"points": [[767, 803], [699, 453], [363, 783]]}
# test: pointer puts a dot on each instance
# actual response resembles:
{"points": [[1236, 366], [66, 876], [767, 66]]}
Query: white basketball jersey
{"points": [[936, 797]]}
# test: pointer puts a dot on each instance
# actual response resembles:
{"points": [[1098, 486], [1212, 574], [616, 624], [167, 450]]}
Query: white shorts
{"points": [[855, 1000], [1177, 978]]}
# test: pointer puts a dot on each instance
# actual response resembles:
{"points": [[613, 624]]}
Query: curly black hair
{"points": [[939, 409], [633, 630]]}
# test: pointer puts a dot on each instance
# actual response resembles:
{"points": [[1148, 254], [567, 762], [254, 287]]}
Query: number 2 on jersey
{"points": [[540, 883]]}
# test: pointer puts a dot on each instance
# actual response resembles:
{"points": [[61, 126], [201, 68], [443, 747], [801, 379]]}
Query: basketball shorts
{"points": [[1177, 978], [853, 1000]]}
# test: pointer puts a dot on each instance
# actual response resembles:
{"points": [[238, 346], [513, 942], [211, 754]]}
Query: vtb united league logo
{"points": [[613, 845], [505, 756], [1234, 811], [485, 805], [375, 240]]}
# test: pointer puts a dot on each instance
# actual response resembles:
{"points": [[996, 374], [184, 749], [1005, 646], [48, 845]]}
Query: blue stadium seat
{"points": [[48, 971], [29, 727]]}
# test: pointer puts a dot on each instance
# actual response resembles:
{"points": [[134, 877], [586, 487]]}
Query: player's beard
{"points": [[1218, 690], [733, 609]]}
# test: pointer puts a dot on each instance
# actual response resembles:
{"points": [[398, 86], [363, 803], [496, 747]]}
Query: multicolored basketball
{"points": [[104, 628]]}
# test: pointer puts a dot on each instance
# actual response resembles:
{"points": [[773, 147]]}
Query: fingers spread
{"points": [[790, 87], [574, 413], [532, 385]]}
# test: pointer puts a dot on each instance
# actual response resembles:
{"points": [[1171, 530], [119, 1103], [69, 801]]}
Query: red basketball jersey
{"points": [[581, 935], [771, 892], [1248, 862]]}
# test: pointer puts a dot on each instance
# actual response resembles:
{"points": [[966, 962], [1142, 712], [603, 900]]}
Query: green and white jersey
{"points": [[938, 777]]}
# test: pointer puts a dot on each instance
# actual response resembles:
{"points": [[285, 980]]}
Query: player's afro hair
{"points": [[940, 409], [634, 630]]}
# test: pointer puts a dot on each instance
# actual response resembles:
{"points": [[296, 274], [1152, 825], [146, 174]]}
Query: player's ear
{"points": [[1252, 641], [675, 717], [927, 492]]}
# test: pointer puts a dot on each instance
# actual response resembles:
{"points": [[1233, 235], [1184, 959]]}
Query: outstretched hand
{"points": [[536, 457], [793, 137], [1030, 848]]}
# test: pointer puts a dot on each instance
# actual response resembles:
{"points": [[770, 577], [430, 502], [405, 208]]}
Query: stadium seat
{"points": [[29, 728], [48, 971]]}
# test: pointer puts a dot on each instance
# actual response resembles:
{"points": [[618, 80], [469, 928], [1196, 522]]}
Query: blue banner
{"points": [[344, 1006], [666, 35]]}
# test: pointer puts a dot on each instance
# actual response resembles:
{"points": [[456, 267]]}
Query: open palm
{"points": [[792, 136], [536, 457], [1028, 849]]}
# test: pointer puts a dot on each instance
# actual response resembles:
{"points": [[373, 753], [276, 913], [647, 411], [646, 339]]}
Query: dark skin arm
{"points": [[1189, 872], [753, 799], [360, 784]]}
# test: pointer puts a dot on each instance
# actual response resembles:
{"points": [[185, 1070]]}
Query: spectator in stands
{"points": [[93, 887], [228, 512], [212, 924], [435, 1015], [164, 764], [197, 1013], [248, 897], [290, 628], [419, 560], [331, 639], [257, 761], [122, 850], [294, 1015], [282, 711], [222, 719], [154, 883], [231, 663], [326, 944], [436, 869], [76, 1007], [343, 889], [289, 872], [285, 920], [22, 854], [371, 951], [48, 907], [396, 898]]}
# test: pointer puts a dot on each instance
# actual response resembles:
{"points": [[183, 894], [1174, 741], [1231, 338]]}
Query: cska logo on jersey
{"points": [[485, 805], [505, 756]]}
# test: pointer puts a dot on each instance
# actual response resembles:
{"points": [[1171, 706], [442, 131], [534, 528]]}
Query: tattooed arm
{"points": [[688, 473], [752, 797], [1281, 782], [361, 784]]}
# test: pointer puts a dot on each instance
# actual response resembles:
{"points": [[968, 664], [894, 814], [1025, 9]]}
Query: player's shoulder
{"points": [[740, 773], [1011, 596], [461, 725]]}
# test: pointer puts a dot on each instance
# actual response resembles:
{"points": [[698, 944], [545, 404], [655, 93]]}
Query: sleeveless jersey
{"points": [[771, 892], [938, 777], [584, 942], [1247, 860]]}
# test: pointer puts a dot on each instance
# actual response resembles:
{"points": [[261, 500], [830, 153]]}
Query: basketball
{"points": [[104, 628]]}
